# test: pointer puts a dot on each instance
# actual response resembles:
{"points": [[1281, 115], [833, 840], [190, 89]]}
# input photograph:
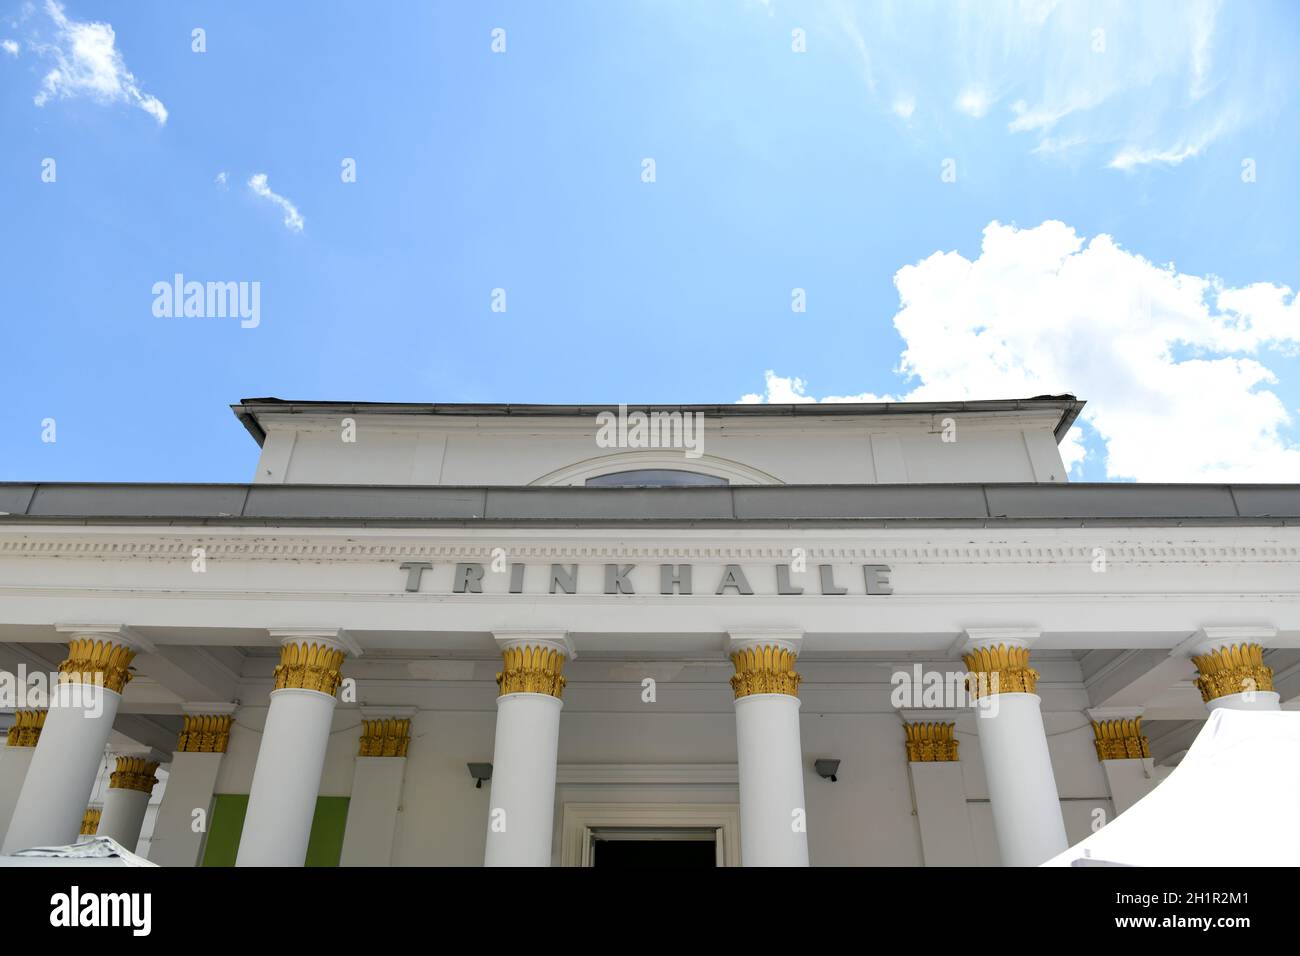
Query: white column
{"points": [[129, 789], [15, 759], [191, 781], [71, 746], [521, 814], [773, 814], [1230, 668], [376, 787], [1013, 743], [286, 779]]}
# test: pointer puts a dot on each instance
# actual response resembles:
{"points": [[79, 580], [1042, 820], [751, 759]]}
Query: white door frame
{"points": [[582, 820]]}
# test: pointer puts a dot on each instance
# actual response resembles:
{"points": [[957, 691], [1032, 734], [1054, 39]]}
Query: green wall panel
{"points": [[324, 847]]}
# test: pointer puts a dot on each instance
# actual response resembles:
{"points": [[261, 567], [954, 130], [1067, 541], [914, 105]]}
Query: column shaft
{"points": [[522, 805], [1022, 789], [773, 825], [286, 779], [63, 768]]}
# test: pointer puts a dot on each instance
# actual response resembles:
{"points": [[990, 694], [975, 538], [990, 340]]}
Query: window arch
{"points": [[655, 478]]}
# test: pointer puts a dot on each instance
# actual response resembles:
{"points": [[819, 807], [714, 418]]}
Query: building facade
{"points": [[850, 634]]}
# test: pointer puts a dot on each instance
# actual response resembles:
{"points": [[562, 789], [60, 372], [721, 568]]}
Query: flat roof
{"points": [[248, 409], [912, 505]]}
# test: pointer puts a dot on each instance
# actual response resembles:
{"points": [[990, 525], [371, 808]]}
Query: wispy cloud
{"points": [[88, 63], [1136, 84], [223, 177], [293, 220], [9, 46]]}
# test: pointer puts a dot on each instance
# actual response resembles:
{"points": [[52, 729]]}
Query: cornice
{"points": [[167, 546]]}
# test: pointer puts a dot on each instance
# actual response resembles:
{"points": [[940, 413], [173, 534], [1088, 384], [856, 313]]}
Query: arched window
{"points": [[654, 478]]}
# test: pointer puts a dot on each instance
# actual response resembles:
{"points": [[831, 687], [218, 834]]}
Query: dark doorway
{"points": [[639, 854]]}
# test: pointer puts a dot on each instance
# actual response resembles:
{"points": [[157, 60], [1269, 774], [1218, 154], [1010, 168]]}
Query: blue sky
{"points": [[980, 201]]}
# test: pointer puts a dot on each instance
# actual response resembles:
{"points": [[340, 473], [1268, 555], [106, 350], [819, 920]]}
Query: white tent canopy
{"points": [[1233, 801]]}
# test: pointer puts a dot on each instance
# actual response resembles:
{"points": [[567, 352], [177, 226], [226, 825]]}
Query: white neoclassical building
{"points": [[887, 634]]}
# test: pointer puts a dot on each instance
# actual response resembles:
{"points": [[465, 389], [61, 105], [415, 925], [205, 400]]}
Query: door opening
{"points": [[654, 847]]}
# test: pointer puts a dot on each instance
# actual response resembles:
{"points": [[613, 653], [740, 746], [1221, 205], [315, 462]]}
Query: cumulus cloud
{"points": [[1172, 364], [293, 220], [88, 63], [222, 178], [9, 46]]}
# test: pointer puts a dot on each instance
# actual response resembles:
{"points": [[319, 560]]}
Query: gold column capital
{"points": [[1120, 739], [765, 669], [310, 665], [134, 773], [26, 728], [999, 669], [90, 821], [927, 742], [385, 737], [100, 662], [1231, 669], [204, 734], [531, 669]]}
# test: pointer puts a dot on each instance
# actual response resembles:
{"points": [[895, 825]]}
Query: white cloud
{"points": [[88, 63], [1169, 362], [904, 107], [793, 391], [293, 220], [222, 178], [973, 101], [9, 46]]}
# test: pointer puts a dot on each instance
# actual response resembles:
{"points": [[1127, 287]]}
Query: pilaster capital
{"points": [[931, 742], [205, 733], [26, 728]]}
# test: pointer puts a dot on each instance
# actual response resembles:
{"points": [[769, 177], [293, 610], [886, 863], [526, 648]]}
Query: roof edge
{"points": [[248, 409]]}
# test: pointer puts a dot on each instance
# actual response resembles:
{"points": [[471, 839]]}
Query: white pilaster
{"points": [[938, 789], [521, 814], [377, 787], [291, 757], [15, 759], [82, 710], [192, 780], [773, 813], [1129, 778], [1013, 743]]}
